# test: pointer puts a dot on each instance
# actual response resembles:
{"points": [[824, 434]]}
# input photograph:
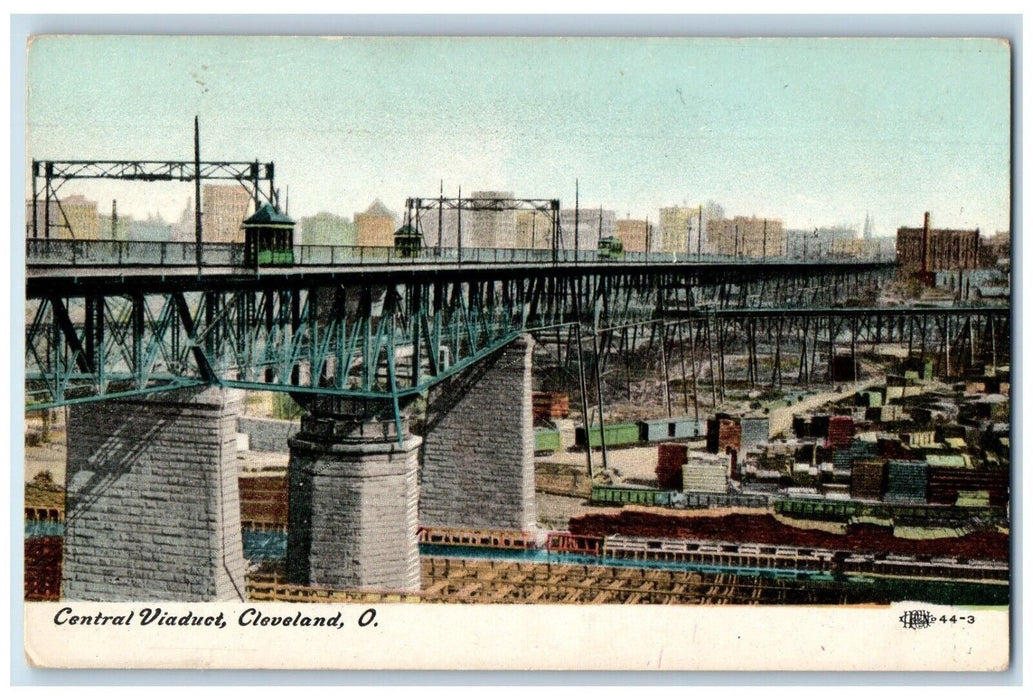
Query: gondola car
{"points": [[611, 248], [268, 238]]}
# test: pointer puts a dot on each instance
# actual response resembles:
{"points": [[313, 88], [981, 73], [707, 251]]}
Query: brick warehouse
{"points": [[923, 251]]}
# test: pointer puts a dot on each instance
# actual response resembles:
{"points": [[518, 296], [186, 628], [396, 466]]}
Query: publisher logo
{"points": [[917, 619]]}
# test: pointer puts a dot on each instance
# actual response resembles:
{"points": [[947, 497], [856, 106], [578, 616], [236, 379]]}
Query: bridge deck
{"points": [[64, 279]]}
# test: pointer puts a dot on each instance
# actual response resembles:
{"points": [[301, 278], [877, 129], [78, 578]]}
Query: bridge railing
{"points": [[42, 251], [59, 252]]}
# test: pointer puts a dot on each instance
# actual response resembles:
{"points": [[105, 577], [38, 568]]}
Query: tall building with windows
{"points": [[680, 230], [489, 227], [75, 218], [747, 237], [223, 210], [493, 226], [327, 229], [376, 226], [924, 251], [635, 234], [534, 230], [818, 242], [592, 224]]}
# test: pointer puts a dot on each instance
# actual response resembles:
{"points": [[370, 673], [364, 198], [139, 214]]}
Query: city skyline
{"points": [[810, 131]]}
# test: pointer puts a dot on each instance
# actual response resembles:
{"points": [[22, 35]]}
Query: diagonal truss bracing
{"points": [[387, 337]]}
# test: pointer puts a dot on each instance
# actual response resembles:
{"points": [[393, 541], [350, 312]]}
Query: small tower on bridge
{"points": [[268, 238]]}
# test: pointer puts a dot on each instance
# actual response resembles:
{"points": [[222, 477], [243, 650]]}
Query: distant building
{"points": [[223, 210], [887, 247], [327, 229], [747, 237], [490, 228], [153, 228], [533, 230], [487, 228], [592, 224], [925, 251], [995, 251], [680, 230], [816, 242], [114, 228], [856, 248], [376, 226], [449, 219], [80, 219], [635, 234], [183, 228], [868, 226]]}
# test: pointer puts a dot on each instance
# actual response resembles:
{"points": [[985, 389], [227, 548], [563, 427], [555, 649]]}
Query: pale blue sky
{"points": [[811, 131]]}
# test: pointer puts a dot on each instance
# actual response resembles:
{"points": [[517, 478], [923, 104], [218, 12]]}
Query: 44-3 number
{"points": [[953, 619]]}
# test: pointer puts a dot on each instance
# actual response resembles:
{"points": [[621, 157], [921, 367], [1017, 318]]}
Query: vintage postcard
{"points": [[517, 353]]}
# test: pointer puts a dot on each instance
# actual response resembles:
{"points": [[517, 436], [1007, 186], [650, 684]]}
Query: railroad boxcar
{"points": [[816, 509], [574, 544], [546, 440], [617, 435], [470, 537], [619, 495]]}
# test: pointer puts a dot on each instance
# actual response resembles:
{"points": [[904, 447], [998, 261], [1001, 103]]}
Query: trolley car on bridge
{"points": [[268, 238]]}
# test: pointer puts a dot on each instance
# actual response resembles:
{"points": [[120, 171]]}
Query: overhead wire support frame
{"points": [[54, 173]]}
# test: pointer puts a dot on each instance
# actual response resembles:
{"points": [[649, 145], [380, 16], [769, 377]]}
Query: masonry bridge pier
{"points": [[152, 362]]}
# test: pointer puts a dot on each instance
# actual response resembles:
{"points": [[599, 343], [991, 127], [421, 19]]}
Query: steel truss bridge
{"points": [[375, 333], [777, 346]]}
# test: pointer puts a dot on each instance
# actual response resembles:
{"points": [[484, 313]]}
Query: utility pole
{"points": [[114, 219], [688, 235], [577, 227], [699, 233], [197, 191], [35, 199]]}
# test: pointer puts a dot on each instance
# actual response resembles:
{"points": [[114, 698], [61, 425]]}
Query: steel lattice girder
{"points": [[373, 336], [966, 333]]}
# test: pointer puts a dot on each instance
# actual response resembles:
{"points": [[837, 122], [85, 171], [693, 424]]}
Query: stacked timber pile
{"points": [[906, 481], [547, 404], [766, 529], [754, 431], [866, 479], [947, 482], [723, 432], [268, 583], [263, 500], [705, 473], [447, 580], [43, 568], [669, 460], [841, 431]]}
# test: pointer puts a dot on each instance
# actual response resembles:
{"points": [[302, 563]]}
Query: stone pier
{"points": [[353, 504], [153, 511], [478, 449]]}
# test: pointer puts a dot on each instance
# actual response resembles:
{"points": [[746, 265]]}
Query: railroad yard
{"points": [[817, 535]]}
